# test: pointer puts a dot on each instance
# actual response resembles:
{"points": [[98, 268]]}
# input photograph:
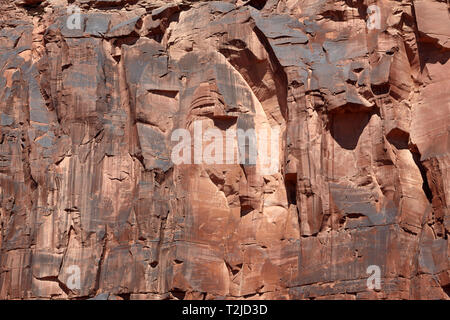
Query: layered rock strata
{"points": [[87, 177]]}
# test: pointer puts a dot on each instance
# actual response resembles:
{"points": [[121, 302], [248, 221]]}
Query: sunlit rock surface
{"points": [[87, 179]]}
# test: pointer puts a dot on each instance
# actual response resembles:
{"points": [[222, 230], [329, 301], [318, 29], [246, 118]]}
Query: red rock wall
{"points": [[86, 177]]}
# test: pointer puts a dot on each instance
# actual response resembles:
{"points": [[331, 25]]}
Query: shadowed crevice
{"points": [[257, 4], [423, 172], [346, 128]]}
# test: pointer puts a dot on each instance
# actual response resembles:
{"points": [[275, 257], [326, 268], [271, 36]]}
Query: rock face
{"points": [[358, 89]]}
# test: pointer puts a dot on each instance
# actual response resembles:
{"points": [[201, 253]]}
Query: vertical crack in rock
{"points": [[89, 118]]}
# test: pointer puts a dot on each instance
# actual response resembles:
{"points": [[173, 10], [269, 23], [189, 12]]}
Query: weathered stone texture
{"points": [[86, 177]]}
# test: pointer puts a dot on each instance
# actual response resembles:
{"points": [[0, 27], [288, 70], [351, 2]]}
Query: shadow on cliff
{"points": [[347, 127]]}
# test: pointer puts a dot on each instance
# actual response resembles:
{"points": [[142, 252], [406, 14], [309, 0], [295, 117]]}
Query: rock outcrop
{"points": [[87, 182]]}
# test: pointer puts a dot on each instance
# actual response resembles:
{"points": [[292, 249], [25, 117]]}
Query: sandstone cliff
{"points": [[86, 177]]}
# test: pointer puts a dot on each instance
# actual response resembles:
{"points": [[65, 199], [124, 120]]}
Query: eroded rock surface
{"points": [[86, 177]]}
